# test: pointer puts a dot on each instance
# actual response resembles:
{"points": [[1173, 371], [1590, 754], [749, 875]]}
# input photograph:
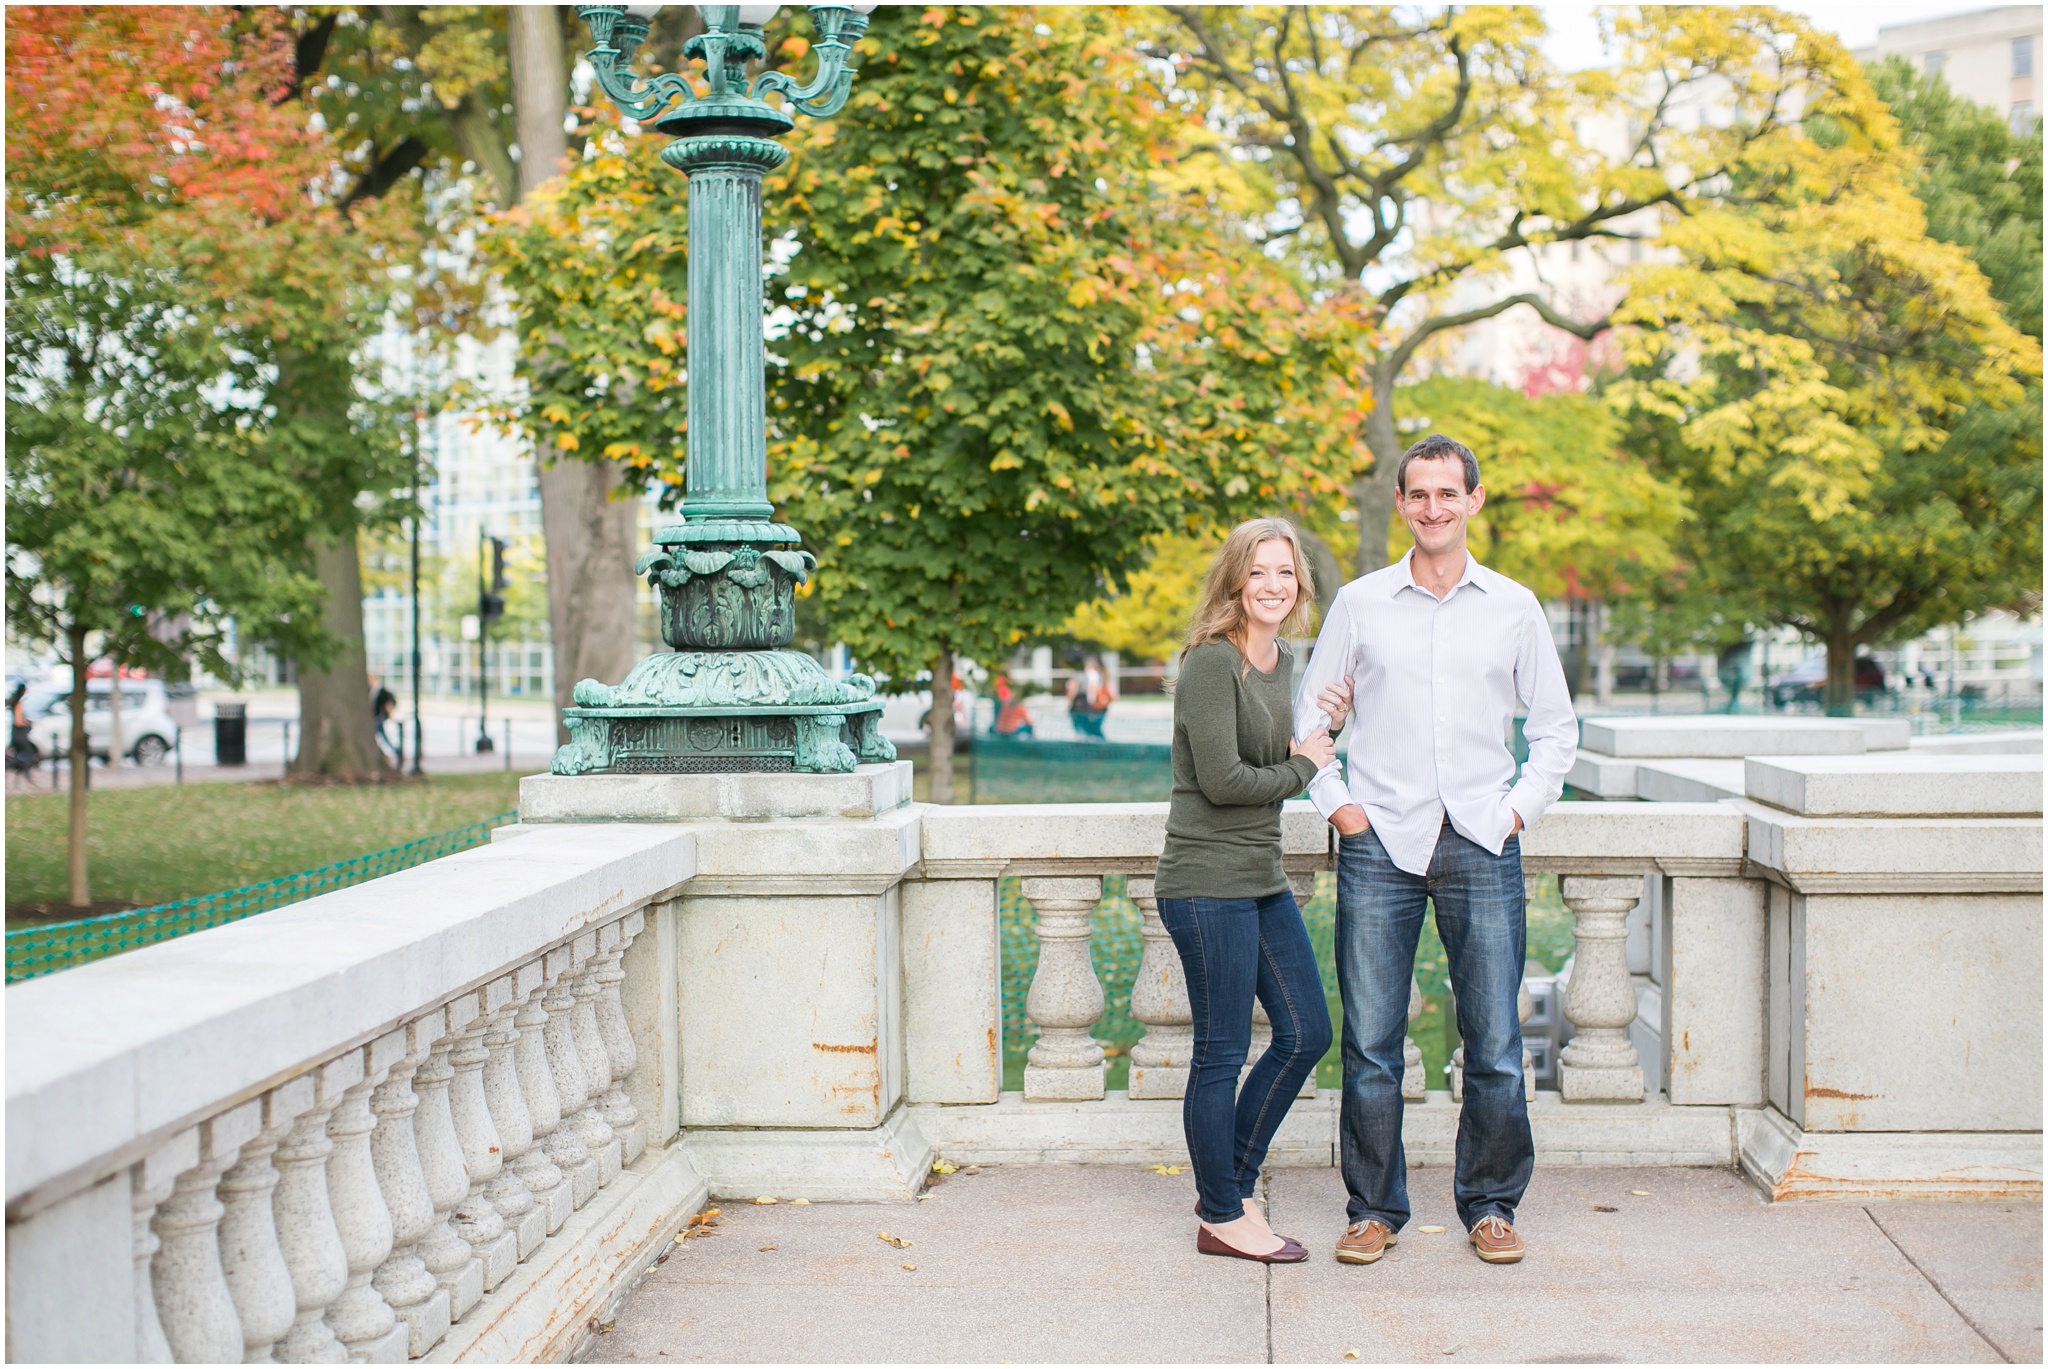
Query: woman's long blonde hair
{"points": [[1220, 616]]}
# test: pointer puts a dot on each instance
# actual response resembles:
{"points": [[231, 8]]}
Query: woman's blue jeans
{"points": [[1480, 915], [1231, 950]]}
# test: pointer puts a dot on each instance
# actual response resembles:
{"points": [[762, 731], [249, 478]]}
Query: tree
{"points": [[1014, 356], [152, 498], [1856, 422], [1413, 158]]}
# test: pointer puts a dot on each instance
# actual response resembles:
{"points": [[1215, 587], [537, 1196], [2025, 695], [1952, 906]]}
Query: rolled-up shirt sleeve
{"points": [[1551, 727], [1329, 663]]}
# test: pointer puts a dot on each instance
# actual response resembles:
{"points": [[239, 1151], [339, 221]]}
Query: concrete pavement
{"points": [[1093, 1264]]}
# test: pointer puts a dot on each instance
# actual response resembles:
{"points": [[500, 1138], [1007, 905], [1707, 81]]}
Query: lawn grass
{"points": [[152, 845]]}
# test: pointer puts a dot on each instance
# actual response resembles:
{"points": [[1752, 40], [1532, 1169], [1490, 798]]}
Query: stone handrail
{"points": [[342, 1128]]}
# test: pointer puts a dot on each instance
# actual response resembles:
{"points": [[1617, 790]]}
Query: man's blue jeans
{"points": [[1231, 949], [1480, 911]]}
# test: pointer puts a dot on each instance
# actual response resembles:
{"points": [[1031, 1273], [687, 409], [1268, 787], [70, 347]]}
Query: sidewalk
{"points": [[1079, 1264]]}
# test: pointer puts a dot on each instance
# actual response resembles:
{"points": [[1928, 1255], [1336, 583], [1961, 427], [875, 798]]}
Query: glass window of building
{"points": [[1933, 63], [2023, 56], [2023, 118]]}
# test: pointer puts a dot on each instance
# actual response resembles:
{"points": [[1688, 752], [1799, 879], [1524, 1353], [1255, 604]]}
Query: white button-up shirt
{"points": [[1435, 687]]}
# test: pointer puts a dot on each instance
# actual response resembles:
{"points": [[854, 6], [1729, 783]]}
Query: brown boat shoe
{"points": [[1495, 1241], [1363, 1242]]}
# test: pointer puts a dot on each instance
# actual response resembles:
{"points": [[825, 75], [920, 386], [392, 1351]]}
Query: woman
{"points": [[1222, 893]]}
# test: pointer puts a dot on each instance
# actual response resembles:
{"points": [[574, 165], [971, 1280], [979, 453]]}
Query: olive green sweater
{"points": [[1231, 730]]}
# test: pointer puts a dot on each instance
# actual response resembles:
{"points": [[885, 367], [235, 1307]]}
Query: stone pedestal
{"points": [[788, 1042]]}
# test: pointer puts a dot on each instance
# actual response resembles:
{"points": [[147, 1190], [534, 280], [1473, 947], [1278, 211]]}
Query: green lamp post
{"points": [[728, 696]]}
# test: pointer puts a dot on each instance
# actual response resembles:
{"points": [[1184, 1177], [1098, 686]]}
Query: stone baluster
{"points": [[448, 1257], [618, 1109], [198, 1314], [595, 1131], [150, 1183], [1065, 998], [477, 1219], [415, 1295], [360, 1318], [250, 1257], [1600, 1064], [1414, 1079], [544, 1178], [1159, 999], [565, 1145], [306, 1232], [508, 1192]]}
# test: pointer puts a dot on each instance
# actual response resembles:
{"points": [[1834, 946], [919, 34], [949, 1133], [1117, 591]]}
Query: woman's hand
{"points": [[1336, 702], [1317, 746]]}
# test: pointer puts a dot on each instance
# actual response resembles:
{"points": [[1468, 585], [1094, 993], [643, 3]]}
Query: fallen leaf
{"points": [[768, 1247], [1639, 1193], [944, 1167], [1165, 1169], [911, 1267], [1450, 1349], [896, 1241], [1350, 1354], [650, 1269], [924, 1197], [764, 1201], [604, 1328], [799, 1202], [1598, 1208], [1430, 1230]]}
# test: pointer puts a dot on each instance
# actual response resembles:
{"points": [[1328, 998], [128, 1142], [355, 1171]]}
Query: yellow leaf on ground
{"points": [[944, 1167], [1430, 1230], [1350, 1354], [896, 1241], [1639, 1193], [799, 1202], [765, 1201], [1165, 1169], [911, 1267]]}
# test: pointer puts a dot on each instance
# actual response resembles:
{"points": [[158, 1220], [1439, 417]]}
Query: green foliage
{"points": [[1855, 421], [1015, 355], [1979, 181]]}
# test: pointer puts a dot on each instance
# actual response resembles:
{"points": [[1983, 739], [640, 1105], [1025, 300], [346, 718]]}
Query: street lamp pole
{"points": [[728, 696]]}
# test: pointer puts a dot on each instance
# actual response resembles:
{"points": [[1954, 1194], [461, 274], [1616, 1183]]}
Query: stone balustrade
{"points": [[451, 1114], [324, 1134]]}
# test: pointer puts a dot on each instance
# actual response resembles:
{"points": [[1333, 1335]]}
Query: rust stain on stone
{"points": [[1815, 1091], [868, 1049]]}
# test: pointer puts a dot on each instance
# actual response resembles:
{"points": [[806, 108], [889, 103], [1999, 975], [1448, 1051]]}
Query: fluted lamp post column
{"points": [[728, 696]]}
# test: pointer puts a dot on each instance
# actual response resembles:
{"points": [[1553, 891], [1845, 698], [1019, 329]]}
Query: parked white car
{"points": [[148, 731]]}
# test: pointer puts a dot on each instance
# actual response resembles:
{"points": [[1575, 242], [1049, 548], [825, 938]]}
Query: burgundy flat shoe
{"points": [[1290, 1251]]}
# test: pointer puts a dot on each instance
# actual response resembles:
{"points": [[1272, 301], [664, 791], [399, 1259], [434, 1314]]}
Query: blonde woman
{"points": [[1222, 893]]}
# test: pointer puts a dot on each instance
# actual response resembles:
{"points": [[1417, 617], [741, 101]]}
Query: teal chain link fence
{"points": [[1118, 943], [34, 951]]}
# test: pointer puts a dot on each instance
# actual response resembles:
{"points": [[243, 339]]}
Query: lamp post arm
{"points": [[839, 28]]}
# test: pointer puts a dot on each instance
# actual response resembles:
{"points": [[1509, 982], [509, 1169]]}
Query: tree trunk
{"points": [[1840, 695], [1322, 563], [591, 537], [942, 728], [592, 594], [337, 730], [81, 761], [1373, 494], [114, 714], [540, 91]]}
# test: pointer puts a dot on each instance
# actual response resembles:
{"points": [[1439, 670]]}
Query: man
{"points": [[1437, 649]]}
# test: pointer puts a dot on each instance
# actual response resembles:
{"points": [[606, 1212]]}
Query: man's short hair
{"points": [[1437, 447]]}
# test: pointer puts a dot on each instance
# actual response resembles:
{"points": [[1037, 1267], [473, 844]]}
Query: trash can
{"points": [[231, 734]]}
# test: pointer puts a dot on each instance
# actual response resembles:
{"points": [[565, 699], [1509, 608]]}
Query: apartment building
{"points": [[1990, 56]]}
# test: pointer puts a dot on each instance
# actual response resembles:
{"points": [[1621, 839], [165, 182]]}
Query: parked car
{"points": [[148, 732], [1807, 681]]}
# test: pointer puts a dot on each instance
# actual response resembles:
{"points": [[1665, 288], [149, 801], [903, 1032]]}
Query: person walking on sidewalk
{"points": [[1223, 895], [1436, 650]]}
